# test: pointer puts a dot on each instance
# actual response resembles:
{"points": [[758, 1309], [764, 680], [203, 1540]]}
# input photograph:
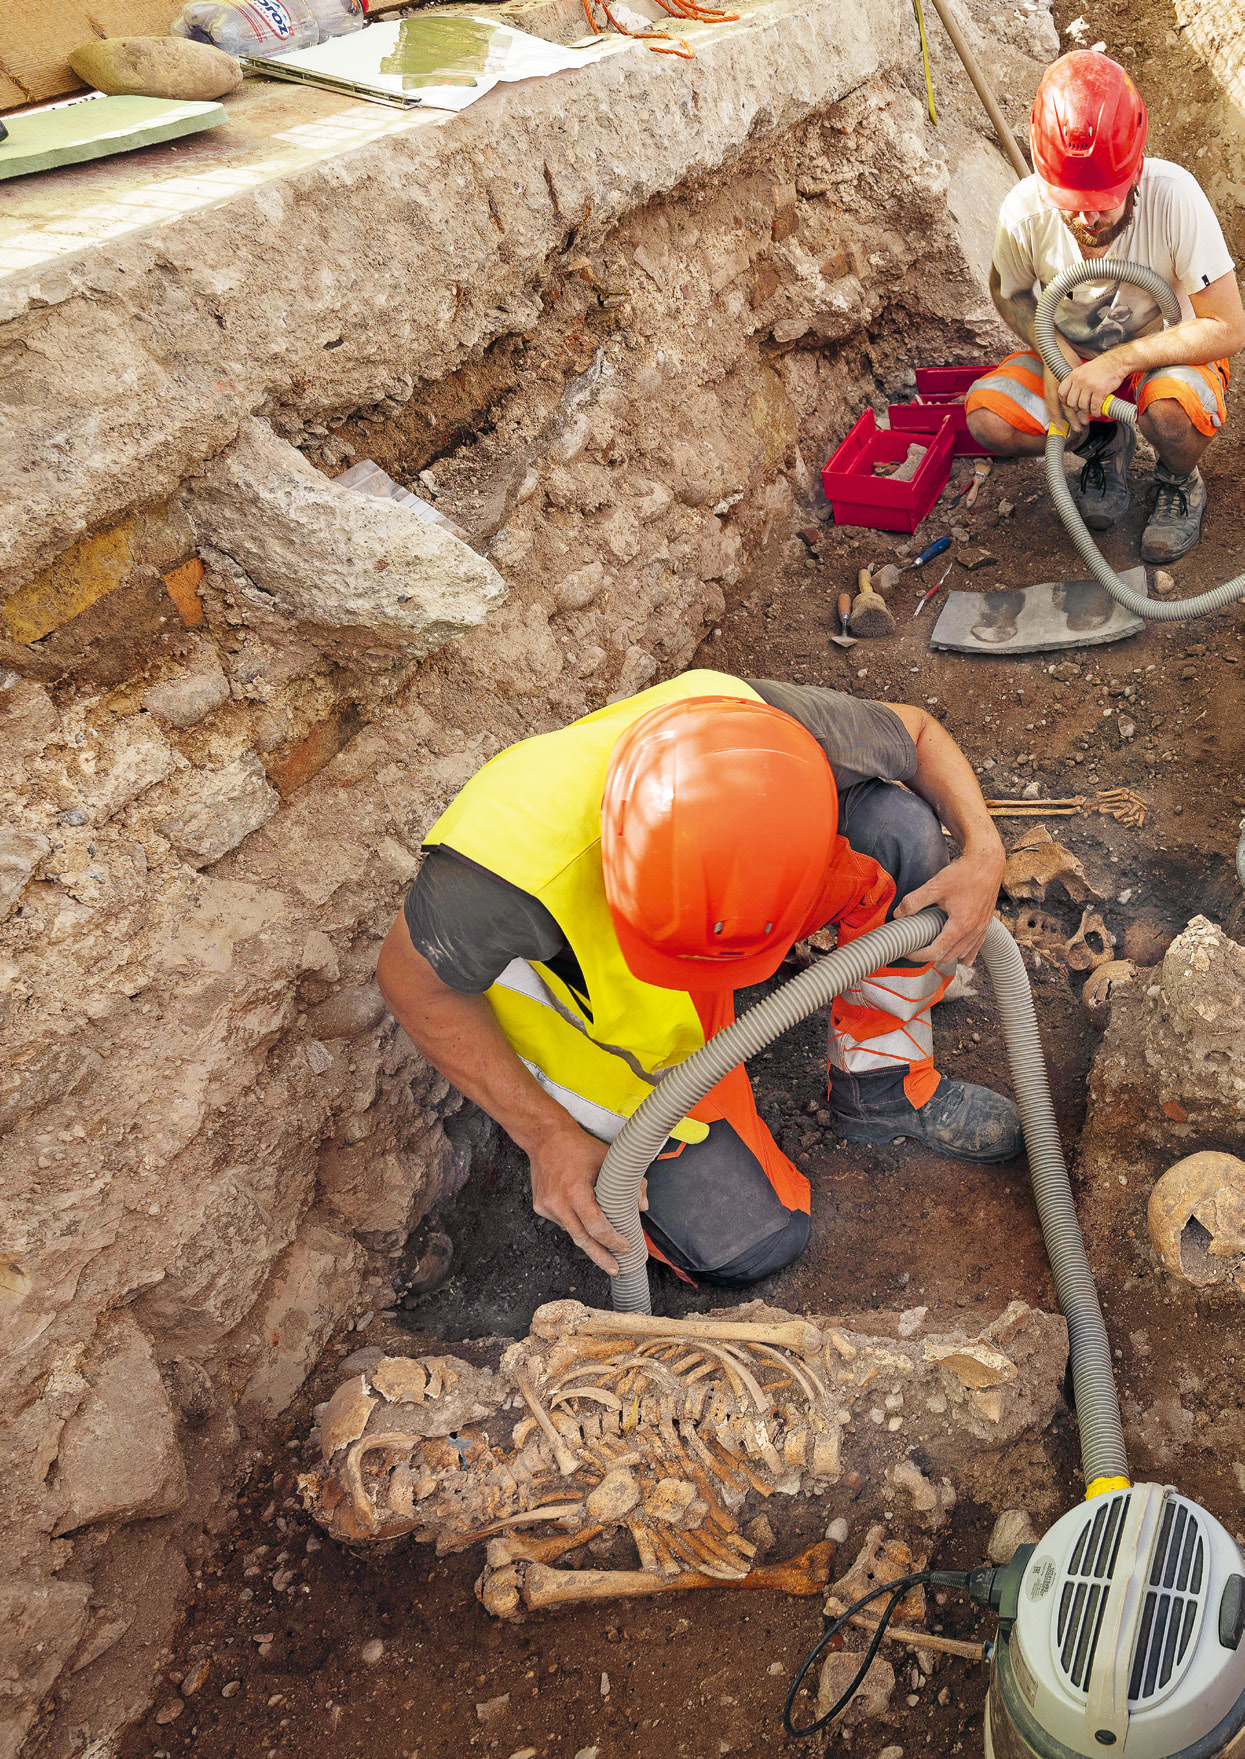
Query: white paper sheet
{"points": [[399, 62]]}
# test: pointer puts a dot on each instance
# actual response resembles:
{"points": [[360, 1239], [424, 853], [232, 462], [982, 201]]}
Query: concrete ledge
{"points": [[311, 266]]}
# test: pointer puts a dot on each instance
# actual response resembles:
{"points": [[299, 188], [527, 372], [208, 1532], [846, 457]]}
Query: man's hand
{"points": [[1088, 386], [565, 1164], [967, 890]]}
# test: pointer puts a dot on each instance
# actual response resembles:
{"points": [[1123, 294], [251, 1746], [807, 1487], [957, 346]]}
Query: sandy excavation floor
{"points": [[272, 1658]]}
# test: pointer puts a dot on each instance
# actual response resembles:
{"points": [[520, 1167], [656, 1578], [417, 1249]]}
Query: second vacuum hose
{"points": [[644, 1135], [1136, 275]]}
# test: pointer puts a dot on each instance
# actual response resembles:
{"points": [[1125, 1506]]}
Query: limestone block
{"points": [[374, 1194], [212, 810], [21, 851], [354, 1009], [184, 700], [324, 556], [313, 1282], [118, 1457], [1194, 1038], [28, 722], [577, 591], [156, 67], [41, 1624], [132, 765]]}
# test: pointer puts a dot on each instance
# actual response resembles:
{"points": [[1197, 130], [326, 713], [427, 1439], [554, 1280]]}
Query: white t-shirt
{"points": [[1173, 230]]}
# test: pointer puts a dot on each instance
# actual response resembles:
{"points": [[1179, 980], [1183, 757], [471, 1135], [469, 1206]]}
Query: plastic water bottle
{"points": [[337, 18], [248, 27], [267, 27]]}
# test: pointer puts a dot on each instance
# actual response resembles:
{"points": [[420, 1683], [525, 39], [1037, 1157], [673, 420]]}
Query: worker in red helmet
{"points": [[1095, 196], [593, 897]]}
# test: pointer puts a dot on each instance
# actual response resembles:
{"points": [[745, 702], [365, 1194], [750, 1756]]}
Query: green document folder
{"points": [[69, 133]]}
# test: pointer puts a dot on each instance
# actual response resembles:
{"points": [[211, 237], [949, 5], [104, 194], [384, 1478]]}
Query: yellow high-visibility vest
{"points": [[532, 816]]}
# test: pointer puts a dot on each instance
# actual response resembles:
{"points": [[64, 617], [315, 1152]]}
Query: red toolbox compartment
{"points": [[860, 498], [942, 390]]}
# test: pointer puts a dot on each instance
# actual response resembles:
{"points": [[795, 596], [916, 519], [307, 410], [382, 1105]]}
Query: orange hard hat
{"points": [[1087, 132], [718, 826]]}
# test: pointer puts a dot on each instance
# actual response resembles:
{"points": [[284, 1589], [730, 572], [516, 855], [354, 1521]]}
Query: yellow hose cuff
{"points": [[1107, 402], [1104, 1487], [1059, 427]]}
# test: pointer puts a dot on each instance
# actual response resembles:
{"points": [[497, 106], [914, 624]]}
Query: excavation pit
{"points": [[612, 331]]}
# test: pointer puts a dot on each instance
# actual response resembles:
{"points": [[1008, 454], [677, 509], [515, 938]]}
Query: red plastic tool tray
{"points": [[860, 498], [942, 390]]}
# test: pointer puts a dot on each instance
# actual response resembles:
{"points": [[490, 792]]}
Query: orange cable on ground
{"points": [[662, 42]]}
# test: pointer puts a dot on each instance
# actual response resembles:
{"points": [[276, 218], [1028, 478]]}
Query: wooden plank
{"points": [[36, 41]]}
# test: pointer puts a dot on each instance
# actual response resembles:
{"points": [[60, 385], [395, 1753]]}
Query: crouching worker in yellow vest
{"points": [[593, 897]]}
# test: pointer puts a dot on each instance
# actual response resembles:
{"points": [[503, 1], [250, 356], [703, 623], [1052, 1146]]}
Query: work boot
{"points": [[1103, 495], [1176, 522], [960, 1120]]}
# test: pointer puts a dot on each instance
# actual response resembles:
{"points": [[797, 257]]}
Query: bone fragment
{"points": [[805, 1574], [345, 1416], [795, 1334], [400, 1379], [1196, 1216], [567, 1463], [923, 1639], [615, 1496], [976, 1364]]}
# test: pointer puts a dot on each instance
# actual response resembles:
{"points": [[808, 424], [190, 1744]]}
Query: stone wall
{"points": [[236, 694]]}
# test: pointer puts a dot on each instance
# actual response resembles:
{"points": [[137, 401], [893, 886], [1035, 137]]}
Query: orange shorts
{"points": [[1013, 391]]}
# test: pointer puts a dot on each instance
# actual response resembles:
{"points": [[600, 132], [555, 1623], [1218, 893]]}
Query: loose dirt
{"points": [[281, 1623]]}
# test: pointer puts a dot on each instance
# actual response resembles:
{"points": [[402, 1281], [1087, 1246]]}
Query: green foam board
{"points": [[67, 134]]}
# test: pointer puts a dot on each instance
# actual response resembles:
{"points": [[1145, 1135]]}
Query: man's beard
{"points": [[1099, 240]]}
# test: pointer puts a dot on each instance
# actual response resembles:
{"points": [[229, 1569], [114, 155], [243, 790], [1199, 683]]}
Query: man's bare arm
{"points": [[462, 1038], [1214, 332], [967, 889]]}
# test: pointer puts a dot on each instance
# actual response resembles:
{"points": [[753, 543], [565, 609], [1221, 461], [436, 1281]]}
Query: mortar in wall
{"points": [[216, 1141]]}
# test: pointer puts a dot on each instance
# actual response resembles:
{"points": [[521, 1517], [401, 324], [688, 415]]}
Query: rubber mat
{"points": [[1032, 619]]}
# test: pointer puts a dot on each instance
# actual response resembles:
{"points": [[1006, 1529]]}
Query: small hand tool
{"points": [[845, 609], [939, 547], [869, 614], [933, 589]]}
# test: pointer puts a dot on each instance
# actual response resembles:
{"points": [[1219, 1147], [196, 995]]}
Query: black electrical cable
{"points": [[961, 1579]]}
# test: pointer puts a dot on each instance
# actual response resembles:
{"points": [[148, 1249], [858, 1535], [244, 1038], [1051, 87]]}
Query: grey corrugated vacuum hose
{"points": [[644, 1135], [1136, 275]]}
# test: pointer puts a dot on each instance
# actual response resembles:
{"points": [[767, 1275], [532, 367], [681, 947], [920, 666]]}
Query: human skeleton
{"points": [[600, 1422]]}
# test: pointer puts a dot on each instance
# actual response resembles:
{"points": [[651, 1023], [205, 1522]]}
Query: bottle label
{"points": [[266, 18]]}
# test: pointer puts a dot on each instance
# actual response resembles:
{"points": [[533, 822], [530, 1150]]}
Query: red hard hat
{"points": [[718, 827], [1087, 132]]}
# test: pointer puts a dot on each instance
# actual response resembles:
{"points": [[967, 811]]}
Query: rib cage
{"points": [[597, 1422]]}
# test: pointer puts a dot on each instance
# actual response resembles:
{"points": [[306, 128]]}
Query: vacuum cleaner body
{"points": [[1124, 1635]]}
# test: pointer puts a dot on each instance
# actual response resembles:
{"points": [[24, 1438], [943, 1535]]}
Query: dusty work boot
{"points": [[1103, 493], [1176, 522], [960, 1119]]}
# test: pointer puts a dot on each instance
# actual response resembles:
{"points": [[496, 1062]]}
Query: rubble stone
{"points": [[212, 810], [42, 1623], [323, 555], [1194, 1038], [156, 67], [103, 1471], [20, 853], [183, 701]]}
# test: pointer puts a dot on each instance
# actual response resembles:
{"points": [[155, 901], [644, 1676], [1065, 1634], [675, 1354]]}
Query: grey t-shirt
{"points": [[470, 923]]}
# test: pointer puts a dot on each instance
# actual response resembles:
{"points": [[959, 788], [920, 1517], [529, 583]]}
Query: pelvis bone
{"points": [[599, 1424]]}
